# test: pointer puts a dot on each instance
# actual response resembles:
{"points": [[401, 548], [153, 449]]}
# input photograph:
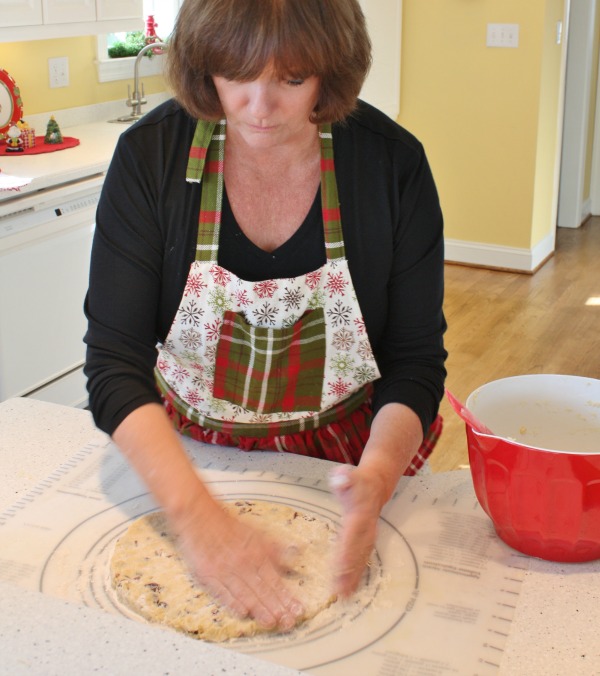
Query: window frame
{"points": [[110, 70]]}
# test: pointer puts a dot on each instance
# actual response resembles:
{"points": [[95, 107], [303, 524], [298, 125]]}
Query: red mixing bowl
{"points": [[538, 476]]}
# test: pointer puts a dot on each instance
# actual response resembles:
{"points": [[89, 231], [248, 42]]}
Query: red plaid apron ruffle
{"points": [[340, 441]]}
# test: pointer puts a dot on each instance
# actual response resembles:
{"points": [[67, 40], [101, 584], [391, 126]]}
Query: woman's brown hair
{"points": [[237, 39]]}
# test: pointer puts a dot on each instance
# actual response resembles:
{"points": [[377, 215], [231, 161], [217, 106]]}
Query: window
{"points": [[164, 13]]}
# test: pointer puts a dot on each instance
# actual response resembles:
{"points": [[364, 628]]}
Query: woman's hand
{"points": [[360, 494], [363, 491], [240, 567], [236, 563]]}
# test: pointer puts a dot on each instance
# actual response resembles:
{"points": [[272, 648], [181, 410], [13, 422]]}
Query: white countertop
{"points": [[97, 136], [46, 636], [91, 156], [554, 631]]}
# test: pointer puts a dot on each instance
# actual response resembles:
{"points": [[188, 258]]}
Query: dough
{"points": [[150, 577]]}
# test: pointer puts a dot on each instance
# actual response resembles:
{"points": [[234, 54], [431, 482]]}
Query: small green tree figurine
{"points": [[53, 133]]}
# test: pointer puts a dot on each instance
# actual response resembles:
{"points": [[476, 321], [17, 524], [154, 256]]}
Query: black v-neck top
{"points": [[303, 252], [145, 242]]}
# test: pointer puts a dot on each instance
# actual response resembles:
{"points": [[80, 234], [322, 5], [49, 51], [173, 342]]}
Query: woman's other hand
{"points": [[236, 563], [395, 437], [360, 495]]}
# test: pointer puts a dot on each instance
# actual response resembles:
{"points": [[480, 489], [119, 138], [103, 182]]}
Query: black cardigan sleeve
{"points": [[131, 301], [393, 228], [411, 352]]}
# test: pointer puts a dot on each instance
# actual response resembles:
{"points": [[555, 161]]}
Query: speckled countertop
{"points": [[44, 636], [554, 632]]}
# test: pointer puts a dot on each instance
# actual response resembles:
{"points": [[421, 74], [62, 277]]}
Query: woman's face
{"points": [[268, 111]]}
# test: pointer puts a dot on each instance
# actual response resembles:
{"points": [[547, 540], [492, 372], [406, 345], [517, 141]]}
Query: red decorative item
{"points": [[41, 147], [28, 138], [151, 36], [14, 143], [11, 104]]}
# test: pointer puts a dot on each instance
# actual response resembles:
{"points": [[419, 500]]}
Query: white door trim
{"points": [[595, 186], [577, 106]]}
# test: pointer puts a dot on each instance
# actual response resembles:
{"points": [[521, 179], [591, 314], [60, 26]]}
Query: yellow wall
{"points": [[27, 63], [477, 111]]}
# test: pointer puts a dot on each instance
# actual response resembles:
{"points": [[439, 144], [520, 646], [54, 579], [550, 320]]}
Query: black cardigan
{"points": [[145, 238]]}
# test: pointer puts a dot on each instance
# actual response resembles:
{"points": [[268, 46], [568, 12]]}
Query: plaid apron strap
{"points": [[197, 156], [205, 163], [332, 224]]}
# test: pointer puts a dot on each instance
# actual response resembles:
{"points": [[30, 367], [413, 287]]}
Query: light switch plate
{"points": [[502, 35]]}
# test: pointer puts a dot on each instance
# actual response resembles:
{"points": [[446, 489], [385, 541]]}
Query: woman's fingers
{"points": [[274, 602], [242, 570], [357, 496], [355, 545]]}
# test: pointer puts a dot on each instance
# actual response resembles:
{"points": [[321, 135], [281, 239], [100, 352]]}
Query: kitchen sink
{"points": [[126, 119]]}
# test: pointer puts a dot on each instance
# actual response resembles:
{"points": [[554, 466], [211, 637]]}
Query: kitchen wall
{"points": [[490, 122], [27, 62], [489, 118]]}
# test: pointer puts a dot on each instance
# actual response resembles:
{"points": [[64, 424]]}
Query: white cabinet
{"points": [[68, 11], [44, 19], [118, 9], [21, 13]]}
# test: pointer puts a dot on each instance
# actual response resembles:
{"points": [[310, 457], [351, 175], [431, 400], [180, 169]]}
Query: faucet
{"points": [[137, 100]]}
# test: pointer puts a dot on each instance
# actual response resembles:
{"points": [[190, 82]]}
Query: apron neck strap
{"points": [[330, 204], [199, 149], [206, 161], [205, 164]]}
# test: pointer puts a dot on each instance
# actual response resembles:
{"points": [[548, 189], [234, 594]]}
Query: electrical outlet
{"points": [[502, 35], [58, 72]]}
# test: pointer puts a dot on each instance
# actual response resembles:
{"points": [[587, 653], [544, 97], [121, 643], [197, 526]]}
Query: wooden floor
{"points": [[502, 324]]}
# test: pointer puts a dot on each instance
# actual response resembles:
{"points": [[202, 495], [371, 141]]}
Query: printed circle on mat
{"points": [[78, 569], [150, 576]]}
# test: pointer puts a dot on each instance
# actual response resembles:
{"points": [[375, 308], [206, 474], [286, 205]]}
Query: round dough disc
{"points": [[151, 578]]}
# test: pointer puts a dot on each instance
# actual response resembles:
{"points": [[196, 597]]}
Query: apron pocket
{"points": [[270, 370]]}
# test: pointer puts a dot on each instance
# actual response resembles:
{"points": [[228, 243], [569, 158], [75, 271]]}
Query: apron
{"points": [[283, 364]]}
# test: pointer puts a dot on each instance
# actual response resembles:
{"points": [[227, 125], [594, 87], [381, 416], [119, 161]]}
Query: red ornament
{"points": [[151, 35]]}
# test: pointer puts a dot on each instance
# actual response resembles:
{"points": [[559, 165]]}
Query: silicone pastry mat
{"points": [[438, 597]]}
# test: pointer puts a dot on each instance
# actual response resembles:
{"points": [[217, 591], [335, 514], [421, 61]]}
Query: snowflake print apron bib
{"points": [[261, 358]]}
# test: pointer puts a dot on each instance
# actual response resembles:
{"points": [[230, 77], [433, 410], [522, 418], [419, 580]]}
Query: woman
{"points": [[282, 244]]}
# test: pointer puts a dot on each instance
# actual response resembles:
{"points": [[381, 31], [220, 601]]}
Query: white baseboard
{"points": [[502, 257]]}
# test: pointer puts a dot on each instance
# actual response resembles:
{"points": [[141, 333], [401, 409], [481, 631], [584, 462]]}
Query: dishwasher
{"points": [[45, 246]]}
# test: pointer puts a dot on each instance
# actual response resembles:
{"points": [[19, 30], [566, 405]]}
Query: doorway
{"points": [[573, 205]]}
